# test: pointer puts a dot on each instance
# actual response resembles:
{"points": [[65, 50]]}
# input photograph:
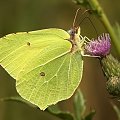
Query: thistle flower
{"points": [[99, 47], [111, 69]]}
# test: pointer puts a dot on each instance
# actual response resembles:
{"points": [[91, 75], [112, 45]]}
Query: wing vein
{"points": [[53, 77]]}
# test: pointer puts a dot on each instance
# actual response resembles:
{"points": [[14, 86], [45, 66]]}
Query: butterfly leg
{"points": [[86, 40]]}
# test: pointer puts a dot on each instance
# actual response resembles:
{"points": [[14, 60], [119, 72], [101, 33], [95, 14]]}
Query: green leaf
{"points": [[90, 115], [81, 2], [79, 105], [54, 110], [45, 69], [17, 99], [117, 110]]}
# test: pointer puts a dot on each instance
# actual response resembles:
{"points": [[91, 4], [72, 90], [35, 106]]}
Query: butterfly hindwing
{"points": [[52, 82]]}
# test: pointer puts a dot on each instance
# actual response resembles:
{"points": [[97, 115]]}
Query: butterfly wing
{"points": [[41, 62]]}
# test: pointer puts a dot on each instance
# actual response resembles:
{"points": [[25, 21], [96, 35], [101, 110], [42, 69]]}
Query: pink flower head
{"points": [[100, 46]]}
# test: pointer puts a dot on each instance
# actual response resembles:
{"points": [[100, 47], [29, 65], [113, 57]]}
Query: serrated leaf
{"points": [[41, 62], [54, 110], [79, 105]]}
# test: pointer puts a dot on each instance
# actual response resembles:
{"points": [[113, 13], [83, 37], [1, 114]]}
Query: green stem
{"points": [[94, 4]]}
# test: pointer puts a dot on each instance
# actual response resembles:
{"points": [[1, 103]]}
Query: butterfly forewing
{"points": [[17, 56]]}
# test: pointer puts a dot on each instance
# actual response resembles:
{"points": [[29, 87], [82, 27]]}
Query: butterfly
{"points": [[46, 64]]}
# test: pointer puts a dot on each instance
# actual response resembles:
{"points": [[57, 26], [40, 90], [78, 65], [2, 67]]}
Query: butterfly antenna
{"points": [[86, 11], [91, 23], [76, 16]]}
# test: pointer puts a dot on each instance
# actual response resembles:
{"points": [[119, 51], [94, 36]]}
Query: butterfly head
{"points": [[74, 38], [74, 31]]}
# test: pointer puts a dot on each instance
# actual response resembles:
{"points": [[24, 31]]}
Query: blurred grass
{"points": [[27, 15]]}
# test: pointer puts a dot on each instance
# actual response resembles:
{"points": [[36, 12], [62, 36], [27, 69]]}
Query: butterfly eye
{"points": [[72, 32]]}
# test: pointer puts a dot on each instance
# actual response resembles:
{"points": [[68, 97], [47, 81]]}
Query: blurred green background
{"points": [[27, 15]]}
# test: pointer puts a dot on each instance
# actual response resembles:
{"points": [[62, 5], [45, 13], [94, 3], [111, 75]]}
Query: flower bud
{"points": [[111, 69]]}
